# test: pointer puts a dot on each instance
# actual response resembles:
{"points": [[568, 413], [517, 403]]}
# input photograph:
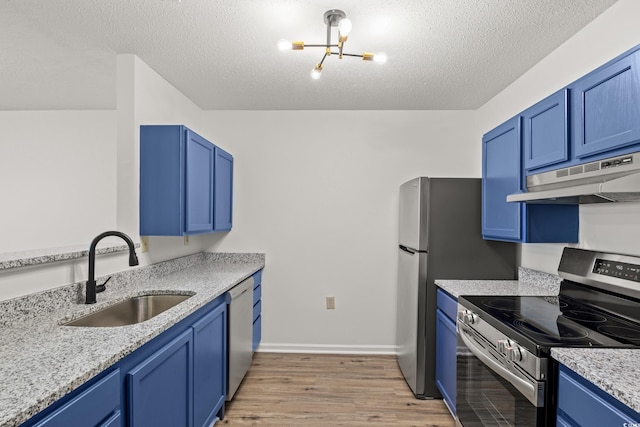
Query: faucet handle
{"points": [[102, 288]]}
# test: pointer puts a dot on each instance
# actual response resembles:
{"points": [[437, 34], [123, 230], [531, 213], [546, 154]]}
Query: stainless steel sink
{"points": [[130, 311]]}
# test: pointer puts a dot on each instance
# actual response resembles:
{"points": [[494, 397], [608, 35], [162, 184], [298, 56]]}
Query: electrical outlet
{"points": [[144, 244], [186, 240], [331, 303]]}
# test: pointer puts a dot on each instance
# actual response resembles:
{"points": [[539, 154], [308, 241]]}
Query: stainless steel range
{"points": [[505, 375]]}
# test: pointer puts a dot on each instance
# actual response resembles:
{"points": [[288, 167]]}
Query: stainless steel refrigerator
{"points": [[439, 238]]}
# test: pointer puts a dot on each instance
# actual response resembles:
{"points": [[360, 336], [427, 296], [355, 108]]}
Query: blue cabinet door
{"points": [[606, 107], [209, 366], [162, 185], [583, 404], [199, 184], [501, 175], [223, 190], [160, 388], [446, 339], [545, 135]]}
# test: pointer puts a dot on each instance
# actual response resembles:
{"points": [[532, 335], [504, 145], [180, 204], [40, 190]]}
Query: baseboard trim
{"points": [[327, 349]]}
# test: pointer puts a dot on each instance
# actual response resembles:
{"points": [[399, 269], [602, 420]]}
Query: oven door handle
{"points": [[524, 387]]}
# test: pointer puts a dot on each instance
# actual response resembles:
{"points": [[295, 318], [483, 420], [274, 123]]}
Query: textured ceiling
{"points": [[443, 54]]}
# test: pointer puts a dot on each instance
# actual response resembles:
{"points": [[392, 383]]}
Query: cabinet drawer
{"points": [[257, 308], [93, 406], [257, 294], [448, 304], [586, 405]]}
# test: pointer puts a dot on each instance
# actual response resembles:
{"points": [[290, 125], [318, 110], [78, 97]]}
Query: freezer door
{"points": [[409, 346], [412, 231]]}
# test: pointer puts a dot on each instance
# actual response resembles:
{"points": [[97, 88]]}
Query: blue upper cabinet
{"points": [[186, 183], [502, 174], [606, 107], [546, 136]]}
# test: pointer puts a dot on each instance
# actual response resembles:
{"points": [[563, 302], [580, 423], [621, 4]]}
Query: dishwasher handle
{"points": [[240, 289]]}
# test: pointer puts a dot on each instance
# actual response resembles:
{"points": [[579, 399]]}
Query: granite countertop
{"points": [[41, 361], [10, 260], [615, 371], [531, 282]]}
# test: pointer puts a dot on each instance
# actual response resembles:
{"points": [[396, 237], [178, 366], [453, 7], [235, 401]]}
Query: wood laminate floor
{"points": [[329, 390]]}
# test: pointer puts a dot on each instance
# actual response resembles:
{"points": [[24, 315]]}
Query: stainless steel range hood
{"points": [[616, 179]]}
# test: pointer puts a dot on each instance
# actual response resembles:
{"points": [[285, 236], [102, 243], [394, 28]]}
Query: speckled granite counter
{"points": [[44, 256], [530, 282], [615, 371], [41, 361]]}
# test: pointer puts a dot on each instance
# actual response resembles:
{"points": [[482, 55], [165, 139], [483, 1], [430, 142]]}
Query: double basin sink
{"points": [[130, 311]]}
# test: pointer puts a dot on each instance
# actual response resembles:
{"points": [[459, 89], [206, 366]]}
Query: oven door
{"points": [[484, 396]]}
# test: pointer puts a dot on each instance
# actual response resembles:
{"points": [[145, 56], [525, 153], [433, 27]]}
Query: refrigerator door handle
{"points": [[406, 249]]}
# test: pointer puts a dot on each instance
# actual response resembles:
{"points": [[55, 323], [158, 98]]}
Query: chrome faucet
{"points": [[92, 289]]}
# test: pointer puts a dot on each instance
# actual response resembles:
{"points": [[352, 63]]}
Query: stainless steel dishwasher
{"points": [[240, 299]]}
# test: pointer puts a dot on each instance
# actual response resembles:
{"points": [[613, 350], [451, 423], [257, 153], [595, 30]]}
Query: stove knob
{"points": [[503, 345], [514, 353], [470, 318]]}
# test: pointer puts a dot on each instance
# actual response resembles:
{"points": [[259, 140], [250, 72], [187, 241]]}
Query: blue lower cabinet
{"points": [[177, 379], [581, 403], [159, 389], [209, 367], [257, 309], [446, 341], [98, 405]]}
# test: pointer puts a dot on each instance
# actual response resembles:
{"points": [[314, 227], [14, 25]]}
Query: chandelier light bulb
{"points": [[284, 44], [344, 27], [316, 73], [380, 58]]}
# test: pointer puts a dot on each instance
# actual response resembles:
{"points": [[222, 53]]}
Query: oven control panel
{"points": [[618, 269]]}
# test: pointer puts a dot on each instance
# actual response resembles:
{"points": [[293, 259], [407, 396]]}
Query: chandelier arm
{"points": [[323, 58], [349, 54], [320, 45]]}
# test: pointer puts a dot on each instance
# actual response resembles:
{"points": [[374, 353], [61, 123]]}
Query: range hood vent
{"points": [[616, 179]]}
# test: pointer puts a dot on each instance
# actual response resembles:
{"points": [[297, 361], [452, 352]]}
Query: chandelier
{"points": [[333, 18]]}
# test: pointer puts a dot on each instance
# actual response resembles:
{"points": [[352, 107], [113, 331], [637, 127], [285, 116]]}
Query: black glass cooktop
{"points": [[576, 318]]}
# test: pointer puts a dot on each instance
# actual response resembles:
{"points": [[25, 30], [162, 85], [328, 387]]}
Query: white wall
{"points": [[70, 175], [612, 228], [146, 98], [58, 179], [317, 192], [58, 189]]}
